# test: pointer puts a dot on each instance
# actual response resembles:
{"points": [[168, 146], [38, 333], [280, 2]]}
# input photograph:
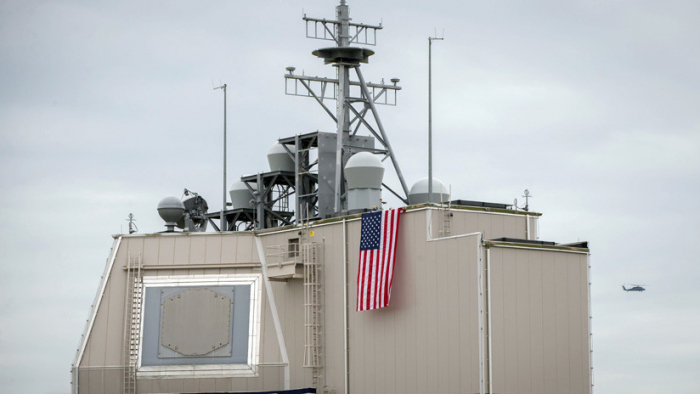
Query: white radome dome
{"points": [[364, 171], [240, 195], [279, 159], [419, 192]]}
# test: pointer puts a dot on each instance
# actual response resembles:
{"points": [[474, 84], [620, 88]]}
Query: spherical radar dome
{"points": [[364, 171], [170, 210], [419, 192]]}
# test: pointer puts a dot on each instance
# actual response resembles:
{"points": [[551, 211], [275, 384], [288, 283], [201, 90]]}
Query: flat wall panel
{"points": [[104, 343], [493, 225], [151, 248], [418, 343], [113, 340], [181, 251], [246, 250], [198, 247], [213, 250], [229, 245], [549, 347], [562, 323], [190, 385], [94, 381], [166, 250], [522, 312], [144, 386], [538, 314], [536, 324]]}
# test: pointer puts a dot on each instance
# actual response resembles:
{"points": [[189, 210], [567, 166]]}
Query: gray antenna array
{"points": [[354, 99], [132, 225], [527, 196]]}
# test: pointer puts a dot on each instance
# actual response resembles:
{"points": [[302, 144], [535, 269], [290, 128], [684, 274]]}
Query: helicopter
{"points": [[639, 288]]}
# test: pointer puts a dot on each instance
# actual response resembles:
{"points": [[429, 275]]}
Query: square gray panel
{"points": [[196, 322], [168, 318]]}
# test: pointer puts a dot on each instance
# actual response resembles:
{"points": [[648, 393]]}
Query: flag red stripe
{"points": [[389, 266], [360, 280], [368, 267], [388, 242], [378, 297]]}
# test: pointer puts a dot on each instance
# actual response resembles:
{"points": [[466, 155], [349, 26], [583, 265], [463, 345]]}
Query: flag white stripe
{"points": [[375, 273], [391, 252]]}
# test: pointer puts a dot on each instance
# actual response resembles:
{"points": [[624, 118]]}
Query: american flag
{"points": [[377, 256]]}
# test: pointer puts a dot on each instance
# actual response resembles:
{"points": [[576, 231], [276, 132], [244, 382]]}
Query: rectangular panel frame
{"points": [[218, 370]]}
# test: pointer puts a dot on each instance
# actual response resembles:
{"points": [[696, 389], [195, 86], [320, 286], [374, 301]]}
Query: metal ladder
{"points": [[132, 321], [313, 319], [446, 219]]}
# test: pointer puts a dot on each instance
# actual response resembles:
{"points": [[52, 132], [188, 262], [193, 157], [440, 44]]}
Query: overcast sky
{"points": [[594, 106]]}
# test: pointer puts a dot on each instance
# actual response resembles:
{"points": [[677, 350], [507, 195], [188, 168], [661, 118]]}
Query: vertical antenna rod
{"points": [[430, 117], [222, 226]]}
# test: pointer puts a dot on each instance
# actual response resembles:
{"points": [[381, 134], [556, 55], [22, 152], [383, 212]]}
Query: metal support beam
{"points": [[260, 204], [273, 311], [318, 100], [381, 130], [297, 184]]}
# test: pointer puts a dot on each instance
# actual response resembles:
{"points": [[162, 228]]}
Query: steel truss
{"points": [[355, 100]]}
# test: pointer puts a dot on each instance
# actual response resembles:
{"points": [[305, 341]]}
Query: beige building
{"points": [[478, 305]]}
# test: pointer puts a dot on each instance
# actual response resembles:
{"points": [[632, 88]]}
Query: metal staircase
{"points": [[132, 321]]}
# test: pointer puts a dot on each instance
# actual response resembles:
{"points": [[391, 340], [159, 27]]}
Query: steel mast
{"points": [[222, 217], [342, 29], [430, 117], [352, 107]]}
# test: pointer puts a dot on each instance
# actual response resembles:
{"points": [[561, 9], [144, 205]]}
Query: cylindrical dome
{"points": [[170, 210], [240, 195], [419, 192], [364, 171], [279, 159]]}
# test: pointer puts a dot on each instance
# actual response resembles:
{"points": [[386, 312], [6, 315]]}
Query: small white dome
{"points": [[279, 159], [419, 192], [364, 171]]}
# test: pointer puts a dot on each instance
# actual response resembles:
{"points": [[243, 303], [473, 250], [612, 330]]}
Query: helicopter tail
{"points": [[623, 288]]}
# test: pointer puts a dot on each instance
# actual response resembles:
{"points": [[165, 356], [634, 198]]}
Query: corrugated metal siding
{"points": [[539, 321]]}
